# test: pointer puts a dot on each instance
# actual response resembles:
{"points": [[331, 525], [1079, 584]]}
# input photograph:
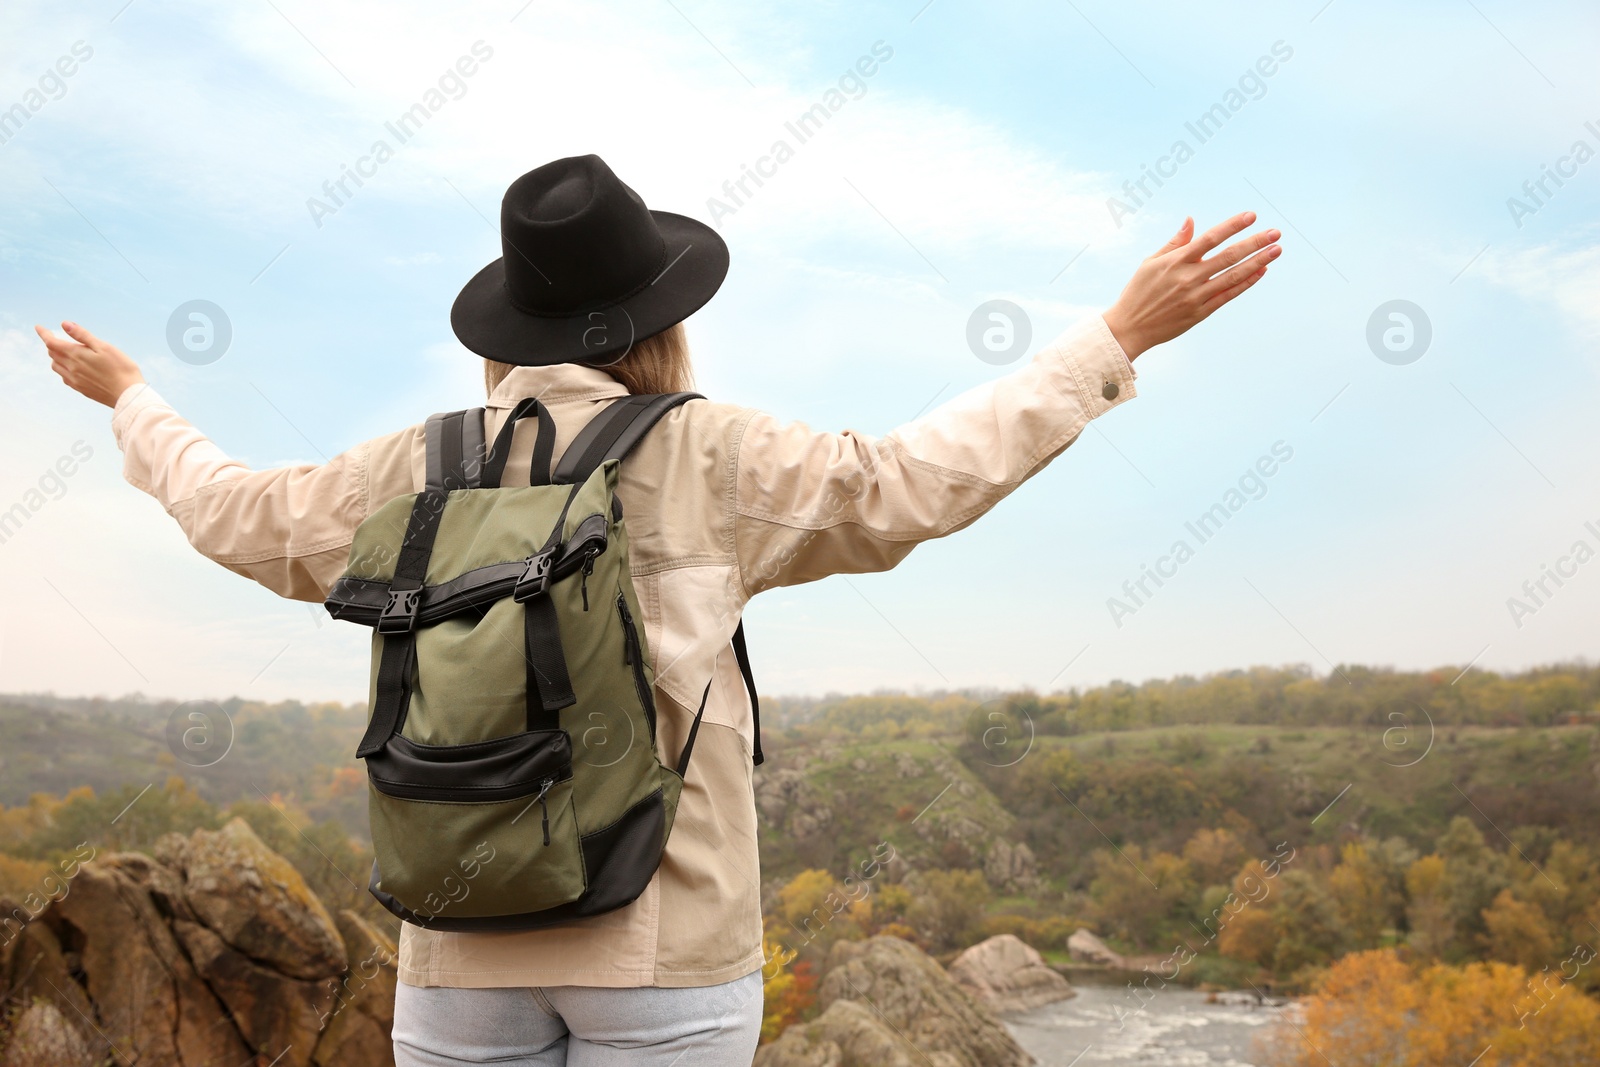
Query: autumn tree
{"points": [[1373, 1008], [1308, 928], [1140, 899], [1365, 896], [1474, 876], [1214, 856], [947, 906], [1518, 932], [1428, 912]]}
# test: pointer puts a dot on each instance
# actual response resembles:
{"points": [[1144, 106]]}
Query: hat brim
{"points": [[484, 320]]}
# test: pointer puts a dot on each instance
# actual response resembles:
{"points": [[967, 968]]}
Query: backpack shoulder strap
{"points": [[613, 432], [455, 449], [742, 654]]}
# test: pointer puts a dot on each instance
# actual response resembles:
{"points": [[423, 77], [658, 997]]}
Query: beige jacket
{"points": [[721, 503]]}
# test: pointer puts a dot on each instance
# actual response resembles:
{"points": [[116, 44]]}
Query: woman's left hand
{"points": [[95, 368]]}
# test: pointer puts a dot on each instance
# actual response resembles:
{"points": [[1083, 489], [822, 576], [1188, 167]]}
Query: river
{"points": [[1176, 1028]]}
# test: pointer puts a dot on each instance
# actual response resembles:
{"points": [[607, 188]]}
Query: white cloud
{"points": [[1568, 278], [249, 133]]}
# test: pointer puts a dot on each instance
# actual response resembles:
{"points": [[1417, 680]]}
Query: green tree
{"points": [[947, 907], [1308, 926], [1474, 875], [1141, 899], [1365, 897]]}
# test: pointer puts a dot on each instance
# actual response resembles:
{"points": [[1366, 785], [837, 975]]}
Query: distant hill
{"points": [[1155, 759], [1456, 812], [51, 745]]}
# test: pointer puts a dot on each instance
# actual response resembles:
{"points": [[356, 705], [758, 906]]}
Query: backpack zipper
{"points": [[633, 656], [544, 811], [588, 569]]}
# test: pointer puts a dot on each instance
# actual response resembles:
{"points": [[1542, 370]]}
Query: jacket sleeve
{"points": [[288, 528], [809, 504]]}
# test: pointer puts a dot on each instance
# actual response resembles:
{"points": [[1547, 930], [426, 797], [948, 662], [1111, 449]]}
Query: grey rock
{"points": [[1007, 975]]}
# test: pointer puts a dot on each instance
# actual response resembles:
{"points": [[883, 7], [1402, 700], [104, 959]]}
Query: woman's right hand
{"points": [[97, 369], [1176, 288]]}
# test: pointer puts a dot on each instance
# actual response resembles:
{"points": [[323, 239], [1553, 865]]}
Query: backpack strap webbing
{"points": [[397, 624]]}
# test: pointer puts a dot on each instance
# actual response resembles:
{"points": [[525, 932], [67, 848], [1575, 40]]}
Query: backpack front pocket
{"points": [[481, 829]]}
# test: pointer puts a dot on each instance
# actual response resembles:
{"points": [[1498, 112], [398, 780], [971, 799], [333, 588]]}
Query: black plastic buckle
{"points": [[399, 614], [535, 577]]}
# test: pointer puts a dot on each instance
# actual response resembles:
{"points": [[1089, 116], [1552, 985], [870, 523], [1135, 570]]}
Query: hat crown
{"points": [[575, 237]]}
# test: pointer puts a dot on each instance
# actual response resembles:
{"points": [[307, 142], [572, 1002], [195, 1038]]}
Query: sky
{"points": [[1419, 491]]}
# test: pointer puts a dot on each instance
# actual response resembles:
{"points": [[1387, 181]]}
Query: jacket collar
{"points": [[555, 384]]}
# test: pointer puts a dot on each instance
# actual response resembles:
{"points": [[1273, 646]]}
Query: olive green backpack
{"points": [[513, 776]]}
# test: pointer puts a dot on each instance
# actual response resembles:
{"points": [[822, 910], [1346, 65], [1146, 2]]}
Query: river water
{"points": [[1175, 1028]]}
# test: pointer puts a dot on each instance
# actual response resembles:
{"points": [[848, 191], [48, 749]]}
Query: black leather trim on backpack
{"points": [[620, 861], [503, 768]]}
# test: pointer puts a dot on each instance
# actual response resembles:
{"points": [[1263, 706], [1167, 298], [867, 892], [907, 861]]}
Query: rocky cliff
{"points": [[886, 1003], [211, 953]]}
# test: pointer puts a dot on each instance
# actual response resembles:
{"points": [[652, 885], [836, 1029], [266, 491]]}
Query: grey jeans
{"points": [[579, 1026]]}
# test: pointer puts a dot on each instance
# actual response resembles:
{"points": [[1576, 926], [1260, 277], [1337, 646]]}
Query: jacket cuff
{"points": [[1098, 366], [134, 399]]}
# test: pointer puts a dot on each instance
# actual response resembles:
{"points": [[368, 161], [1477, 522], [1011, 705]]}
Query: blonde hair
{"points": [[657, 364]]}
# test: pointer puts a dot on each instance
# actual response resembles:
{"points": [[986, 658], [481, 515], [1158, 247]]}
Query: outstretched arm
{"points": [[810, 504], [288, 528]]}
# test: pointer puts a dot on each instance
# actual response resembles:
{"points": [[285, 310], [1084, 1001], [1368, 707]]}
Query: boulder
{"points": [[913, 996], [1087, 948], [276, 1014], [151, 1005], [213, 952], [13, 917], [846, 1035], [1005, 974], [36, 969], [255, 900], [357, 1031], [42, 1037]]}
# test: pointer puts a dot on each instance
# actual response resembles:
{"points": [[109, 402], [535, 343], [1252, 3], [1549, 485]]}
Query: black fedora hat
{"points": [[587, 270]]}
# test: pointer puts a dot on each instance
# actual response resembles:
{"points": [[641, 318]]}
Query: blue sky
{"points": [[175, 163]]}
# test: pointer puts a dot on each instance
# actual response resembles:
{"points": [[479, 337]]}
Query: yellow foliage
{"points": [[1366, 902], [1250, 935], [1214, 855], [1428, 913], [1374, 1008], [1519, 932], [788, 989], [803, 898], [22, 878]]}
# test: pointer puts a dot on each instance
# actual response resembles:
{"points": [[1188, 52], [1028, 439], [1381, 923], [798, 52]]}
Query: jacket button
{"points": [[1110, 391]]}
